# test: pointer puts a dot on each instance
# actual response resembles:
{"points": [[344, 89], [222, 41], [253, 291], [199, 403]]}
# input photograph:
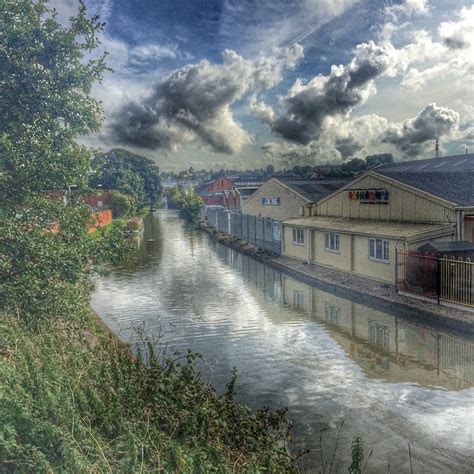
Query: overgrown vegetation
{"points": [[72, 399], [188, 202]]}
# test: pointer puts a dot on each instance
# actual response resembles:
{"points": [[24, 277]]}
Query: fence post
{"points": [[438, 279]]}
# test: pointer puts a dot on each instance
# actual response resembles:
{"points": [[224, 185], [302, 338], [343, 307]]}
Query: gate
{"points": [[445, 280], [418, 273]]}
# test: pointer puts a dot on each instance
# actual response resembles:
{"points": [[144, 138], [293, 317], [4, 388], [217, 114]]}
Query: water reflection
{"points": [[383, 345], [326, 358]]}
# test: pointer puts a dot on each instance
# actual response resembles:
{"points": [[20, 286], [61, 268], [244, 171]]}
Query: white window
{"points": [[332, 242], [298, 236], [379, 250]]}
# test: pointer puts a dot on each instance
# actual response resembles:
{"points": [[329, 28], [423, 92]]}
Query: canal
{"points": [[331, 361]]}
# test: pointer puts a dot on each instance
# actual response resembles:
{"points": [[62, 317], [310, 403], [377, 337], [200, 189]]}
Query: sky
{"points": [[246, 83]]}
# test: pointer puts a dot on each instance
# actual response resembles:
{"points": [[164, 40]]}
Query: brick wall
{"points": [[101, 219]]}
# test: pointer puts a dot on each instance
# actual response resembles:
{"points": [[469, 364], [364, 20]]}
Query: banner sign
{"points": [[271, 201], [369, 196]]}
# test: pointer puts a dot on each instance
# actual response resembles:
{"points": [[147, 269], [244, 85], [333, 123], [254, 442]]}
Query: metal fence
{"points": [[261, 231], [445, 280]]}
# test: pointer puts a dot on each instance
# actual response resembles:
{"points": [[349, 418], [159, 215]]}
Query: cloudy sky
{"points": [[246, 83]]}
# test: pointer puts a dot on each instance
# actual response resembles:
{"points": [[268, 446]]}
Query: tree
{"points": [[270, 169], [122, 204], [128, 173], [188, 203], [46, 79], [380, 159]]}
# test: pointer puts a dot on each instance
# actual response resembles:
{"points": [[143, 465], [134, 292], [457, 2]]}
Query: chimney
{"points": [[437, 148]]}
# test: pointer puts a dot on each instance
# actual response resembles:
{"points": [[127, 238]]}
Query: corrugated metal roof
{"points": [[450, 178], [456, 246], [313, 189], [367, 226]]}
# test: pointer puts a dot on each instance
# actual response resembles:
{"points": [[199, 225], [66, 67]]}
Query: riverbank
{"points": [[359, 289], [77, 400]]}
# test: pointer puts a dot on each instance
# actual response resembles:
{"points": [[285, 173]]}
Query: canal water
{"points": [[341, 368]]}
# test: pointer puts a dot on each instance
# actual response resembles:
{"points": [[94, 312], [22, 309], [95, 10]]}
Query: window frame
{"points": [[332, 238], [298, 236], [384, 250]]}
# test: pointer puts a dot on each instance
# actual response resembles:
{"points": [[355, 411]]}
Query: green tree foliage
{"points": [[188, 203], [380, 159], [122, 204], [128, 173], [46, 80]]}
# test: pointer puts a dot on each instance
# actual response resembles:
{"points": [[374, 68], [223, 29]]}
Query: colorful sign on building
{"points": [[369, 196]]}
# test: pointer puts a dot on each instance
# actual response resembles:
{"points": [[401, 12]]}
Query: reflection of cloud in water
{"points": [[328, 359]]}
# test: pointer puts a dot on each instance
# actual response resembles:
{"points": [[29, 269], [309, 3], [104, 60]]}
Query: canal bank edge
{"points": [[359, 289]]}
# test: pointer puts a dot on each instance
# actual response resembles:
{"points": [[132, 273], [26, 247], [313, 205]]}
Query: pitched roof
{"points": [[454, 246], [313, 189], [450, 177]]}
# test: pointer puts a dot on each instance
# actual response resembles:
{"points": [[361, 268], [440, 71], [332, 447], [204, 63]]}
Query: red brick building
{"points": [[219, 192], [98, 201]]}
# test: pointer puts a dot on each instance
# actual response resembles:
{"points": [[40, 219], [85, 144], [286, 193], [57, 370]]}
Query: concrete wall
{"points": [[290, 202], [404, 205]]}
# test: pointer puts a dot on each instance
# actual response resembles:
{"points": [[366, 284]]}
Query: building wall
{"points": [[373, 269], [98, 200], [290, 202], [353, 254], [404, 205], [221, 184], [341, 259], [100, 219], [293, 250], [468, 230]]}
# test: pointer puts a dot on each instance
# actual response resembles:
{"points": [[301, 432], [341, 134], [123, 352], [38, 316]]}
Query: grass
{"points": [[74, 400]]}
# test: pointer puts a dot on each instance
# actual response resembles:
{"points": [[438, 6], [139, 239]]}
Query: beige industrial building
{"points": [[283, 198], [360, 227]]}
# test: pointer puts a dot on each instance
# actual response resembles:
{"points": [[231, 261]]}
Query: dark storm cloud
{"points": [[193, 103], [348, 147], [413, 135], [307, 106]]}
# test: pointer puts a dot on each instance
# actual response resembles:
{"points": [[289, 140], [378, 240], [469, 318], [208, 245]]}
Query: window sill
{"points": [[299, 245], [333, 251], [387, 262]]}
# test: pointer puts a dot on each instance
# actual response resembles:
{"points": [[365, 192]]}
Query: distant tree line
{"points": [[346, 170]]}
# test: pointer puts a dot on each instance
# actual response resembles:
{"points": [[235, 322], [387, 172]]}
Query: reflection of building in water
{"points": [[384, 346]]}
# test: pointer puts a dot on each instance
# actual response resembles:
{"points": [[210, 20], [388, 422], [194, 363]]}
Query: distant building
{"points": [[228, 192], [284, 197], [98, 201], [400, 206]]}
